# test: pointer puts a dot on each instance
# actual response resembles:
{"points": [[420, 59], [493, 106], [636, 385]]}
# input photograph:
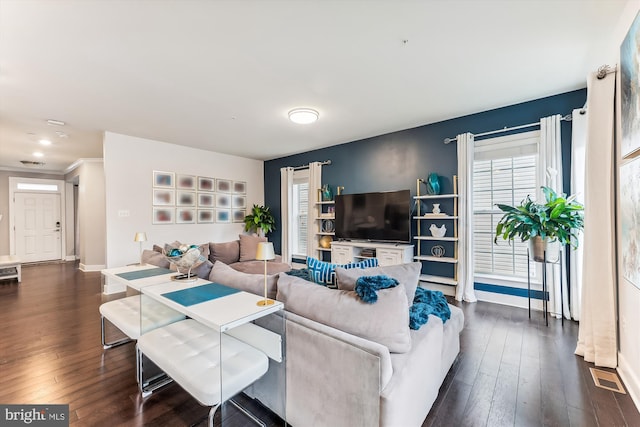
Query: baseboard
{"points": [[85, 267], [70, 258], [511, 300], [631, 381]]}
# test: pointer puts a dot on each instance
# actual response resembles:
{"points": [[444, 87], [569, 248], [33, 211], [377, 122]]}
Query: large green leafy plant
{"points": [[260, 219], [558, 219]]}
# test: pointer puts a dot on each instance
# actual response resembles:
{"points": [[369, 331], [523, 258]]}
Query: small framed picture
{"points": [[186, 198], [223, 215], [206, 184], [186, 182], [239, 202], [239, 214], [223, 186], [206, 200], [163, 215], [223, 201], [205, 216], [239, 187], [163, 179], [185, 216], [163, 197]]}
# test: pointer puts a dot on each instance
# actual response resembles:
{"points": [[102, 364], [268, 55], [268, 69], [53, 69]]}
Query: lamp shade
{"points": [[265, 251], [140, 237]]}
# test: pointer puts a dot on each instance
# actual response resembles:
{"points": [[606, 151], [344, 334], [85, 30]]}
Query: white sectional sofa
{"points": [[349, 364]]}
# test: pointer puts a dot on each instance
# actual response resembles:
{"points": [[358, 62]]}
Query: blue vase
{"points": [[433, 184], [327, 194]]}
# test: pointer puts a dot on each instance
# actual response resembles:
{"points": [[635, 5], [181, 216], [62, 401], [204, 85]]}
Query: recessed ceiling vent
{"points": [[32, 163]]}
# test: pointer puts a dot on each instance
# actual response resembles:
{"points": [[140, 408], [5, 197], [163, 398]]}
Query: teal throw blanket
{"points": [[428, 302]]}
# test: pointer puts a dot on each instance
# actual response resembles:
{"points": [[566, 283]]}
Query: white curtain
{"points": [[550, 170], [464, 290], [578, 163], [286, 213], [597, 340], [313, 226]]}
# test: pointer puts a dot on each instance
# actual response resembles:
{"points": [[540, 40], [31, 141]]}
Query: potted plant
{"points": [[557, 220], [260, 220]]}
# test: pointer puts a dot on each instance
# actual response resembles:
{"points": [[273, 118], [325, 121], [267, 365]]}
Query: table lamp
{"points": [[140, 237], [265, 252]]}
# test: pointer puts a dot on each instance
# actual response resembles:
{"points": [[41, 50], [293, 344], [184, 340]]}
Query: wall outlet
{"points": [[123, 213]]}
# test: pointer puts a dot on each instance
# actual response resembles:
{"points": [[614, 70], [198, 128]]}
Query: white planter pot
{"points": [[543, 249]]}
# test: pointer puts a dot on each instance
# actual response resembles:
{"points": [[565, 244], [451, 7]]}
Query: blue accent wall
{"points": [[394, 161]]}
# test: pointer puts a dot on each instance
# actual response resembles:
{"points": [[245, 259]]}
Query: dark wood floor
{"points": [[515, 371], [511, 371]]}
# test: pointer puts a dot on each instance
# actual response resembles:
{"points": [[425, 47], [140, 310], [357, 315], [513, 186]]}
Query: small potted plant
{"points": [[557, 220], [260, 220]]}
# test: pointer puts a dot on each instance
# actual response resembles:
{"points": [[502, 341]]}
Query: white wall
{"points": [[129, 164], [628, 295], [90, 176]]}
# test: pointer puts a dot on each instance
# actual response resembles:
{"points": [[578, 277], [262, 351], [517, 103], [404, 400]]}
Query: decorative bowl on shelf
{"points": [[185, 258], [438, 231]]}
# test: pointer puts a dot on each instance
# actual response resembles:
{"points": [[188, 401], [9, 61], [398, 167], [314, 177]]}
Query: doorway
{"points": [[36, 219], [37, 226]]}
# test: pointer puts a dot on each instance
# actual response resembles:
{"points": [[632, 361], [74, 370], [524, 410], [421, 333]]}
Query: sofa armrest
{"points": [[333, 378]]}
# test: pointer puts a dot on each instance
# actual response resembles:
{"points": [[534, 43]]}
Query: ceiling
{"points": [[222, 75]]}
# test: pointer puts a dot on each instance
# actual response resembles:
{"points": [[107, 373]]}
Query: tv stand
{"points": [[344, 252]]}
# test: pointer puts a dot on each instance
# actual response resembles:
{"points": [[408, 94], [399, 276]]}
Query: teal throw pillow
{"points": [[324, 273]]}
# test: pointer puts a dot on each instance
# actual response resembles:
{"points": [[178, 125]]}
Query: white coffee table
{"points": [[10, 267]]}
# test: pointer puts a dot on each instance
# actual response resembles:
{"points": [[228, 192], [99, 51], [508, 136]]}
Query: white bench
{"points": [[124, 314], [190, 353], [10, 267]]}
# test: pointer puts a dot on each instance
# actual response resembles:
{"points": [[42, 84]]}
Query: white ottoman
{"points": [[190, 354]]}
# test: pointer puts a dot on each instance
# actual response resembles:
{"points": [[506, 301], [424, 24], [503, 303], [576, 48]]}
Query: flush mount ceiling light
{"points": [[38, 154], [44, 142], [303, 116], [52, 122]]}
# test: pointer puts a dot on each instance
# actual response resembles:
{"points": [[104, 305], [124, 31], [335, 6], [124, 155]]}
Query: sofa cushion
{"points": [[155, 258], [257, 267], [249, 246], [323, 272], [254, 283], [227, 252], [407, 274], [385, 322]]}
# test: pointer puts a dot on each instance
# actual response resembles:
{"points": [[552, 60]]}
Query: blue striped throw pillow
{"points": [[324, 273]]}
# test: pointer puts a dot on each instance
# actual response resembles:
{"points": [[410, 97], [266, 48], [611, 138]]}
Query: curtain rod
{"points": [[566, 117], [326, 162]]}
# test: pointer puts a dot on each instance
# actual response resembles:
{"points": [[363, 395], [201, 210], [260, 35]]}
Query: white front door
{"points": [[37, 226]]}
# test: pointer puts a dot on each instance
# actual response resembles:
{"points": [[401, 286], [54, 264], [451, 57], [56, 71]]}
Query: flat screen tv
{"points": [[382, 217]]}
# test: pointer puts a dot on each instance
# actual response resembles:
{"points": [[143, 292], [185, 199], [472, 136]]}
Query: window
{"points": [[300, 212], [36, 187], [505, 170]]}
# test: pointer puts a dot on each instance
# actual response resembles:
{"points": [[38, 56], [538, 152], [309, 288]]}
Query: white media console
{"points": [[343, 252]]}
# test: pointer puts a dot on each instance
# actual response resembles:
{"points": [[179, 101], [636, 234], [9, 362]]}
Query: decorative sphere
{"points": [[325, 242], [184, 248], [175, 252]]}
